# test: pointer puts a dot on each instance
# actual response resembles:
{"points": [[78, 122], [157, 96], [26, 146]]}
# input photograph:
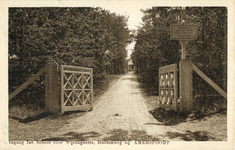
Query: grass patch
{"points": [[168, 117], [25, 111], [28, 111]]}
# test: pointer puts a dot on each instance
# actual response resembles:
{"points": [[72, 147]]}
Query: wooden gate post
{"points": [[186, 86], [51, 87]]}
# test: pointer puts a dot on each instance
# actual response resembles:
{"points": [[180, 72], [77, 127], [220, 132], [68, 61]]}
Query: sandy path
{"points": [[121, 108]]}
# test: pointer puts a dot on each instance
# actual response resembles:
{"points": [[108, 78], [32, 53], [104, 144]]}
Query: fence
{"points": [[186, 68], [52, 102], [76, 88], [51, 86], [168, 87]]}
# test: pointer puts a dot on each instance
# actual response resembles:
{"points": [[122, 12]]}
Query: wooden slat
{"points": [[23, 86], [78, 80], [209, 81], [79, 72], [73, 89], [73, 67], [175, 77], [87, 96], [87, 82], [170, 107], [78, 97], [62, 89], [68, 96], [82, 88], [76, 101], [92, 93], [68, 80], [84, 107]]}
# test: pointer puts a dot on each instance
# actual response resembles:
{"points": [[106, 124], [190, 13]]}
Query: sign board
{"points": [[183, 32]]}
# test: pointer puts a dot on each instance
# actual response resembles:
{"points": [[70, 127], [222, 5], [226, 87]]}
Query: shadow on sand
{"points": [[114, 135], [73, 136], [189, 136]]}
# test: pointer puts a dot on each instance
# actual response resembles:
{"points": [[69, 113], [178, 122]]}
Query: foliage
{"points": [[153, 47], [208, 52], [88, 37]]}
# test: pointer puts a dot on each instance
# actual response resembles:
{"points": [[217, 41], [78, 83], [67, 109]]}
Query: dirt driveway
{"points": [[120, 114]]}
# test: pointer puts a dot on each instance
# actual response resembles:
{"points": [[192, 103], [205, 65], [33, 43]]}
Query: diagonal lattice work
{"points": [[168, 87], [76, 88]]}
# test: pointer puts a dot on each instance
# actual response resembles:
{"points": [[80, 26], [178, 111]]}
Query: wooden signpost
{"points": [[184, 33]]}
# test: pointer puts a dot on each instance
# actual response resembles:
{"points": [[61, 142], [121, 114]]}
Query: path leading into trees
{"points": [[120, 114]]}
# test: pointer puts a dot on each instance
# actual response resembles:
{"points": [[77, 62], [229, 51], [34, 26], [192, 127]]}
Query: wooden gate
{"points": [[168, 87], [76, 88]]}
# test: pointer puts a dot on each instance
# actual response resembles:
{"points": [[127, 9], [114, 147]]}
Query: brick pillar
{"points": [[186, 86], [51, 87]]}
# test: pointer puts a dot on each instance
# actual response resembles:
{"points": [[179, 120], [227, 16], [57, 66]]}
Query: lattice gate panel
{"points": [[76, 88], [168, 87]]}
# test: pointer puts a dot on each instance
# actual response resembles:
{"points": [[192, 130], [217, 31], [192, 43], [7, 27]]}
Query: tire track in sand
{"points": [[122, 107]]}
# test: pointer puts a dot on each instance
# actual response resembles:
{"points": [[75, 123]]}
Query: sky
{"points": [[131, 9]]}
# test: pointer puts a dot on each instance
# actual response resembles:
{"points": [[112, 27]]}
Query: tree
{"points": [[154, 48], [88, 37]]}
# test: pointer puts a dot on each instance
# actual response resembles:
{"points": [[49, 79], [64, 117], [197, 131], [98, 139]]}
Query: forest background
{"points": [[96, 38], [87, 37], [154, 48]]}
